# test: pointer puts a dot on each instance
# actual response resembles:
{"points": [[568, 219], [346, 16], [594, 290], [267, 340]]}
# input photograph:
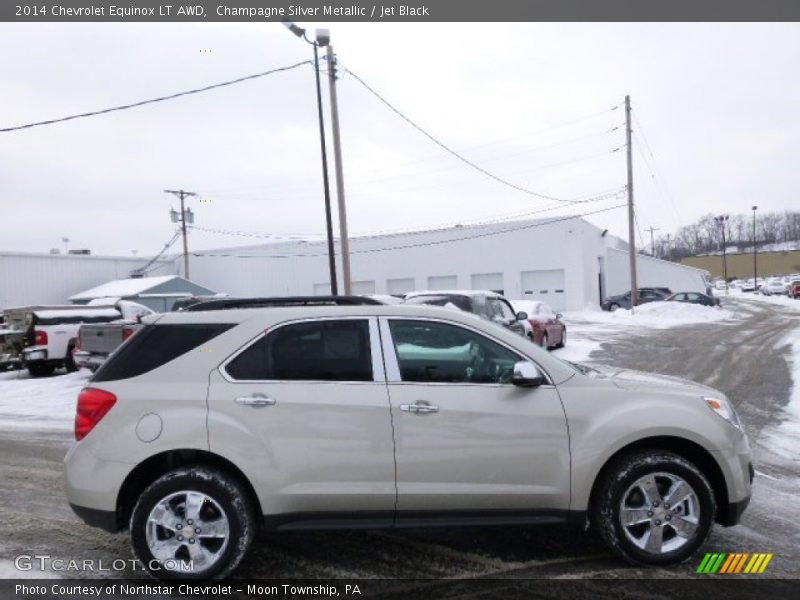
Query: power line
{"points": [[610, 195], [422, 244], [144, 269], [460, 157], [154, 100]]}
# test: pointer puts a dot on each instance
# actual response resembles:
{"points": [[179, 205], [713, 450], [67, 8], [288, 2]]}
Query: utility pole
{"points": [[652, 240], [755, 252], [631, 232], [722, 221], [183, 218], [669, 249], [337, 158]]}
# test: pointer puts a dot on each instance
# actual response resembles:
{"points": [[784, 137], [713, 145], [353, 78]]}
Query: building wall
{"points": [[741, 265], [51, 278], [652, 272]]}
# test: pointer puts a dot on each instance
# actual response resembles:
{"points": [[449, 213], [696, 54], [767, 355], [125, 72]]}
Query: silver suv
{"points": [[207, 424]]}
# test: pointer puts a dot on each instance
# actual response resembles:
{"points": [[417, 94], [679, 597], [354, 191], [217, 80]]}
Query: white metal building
{"points": [[566, 262], [29, 278]]}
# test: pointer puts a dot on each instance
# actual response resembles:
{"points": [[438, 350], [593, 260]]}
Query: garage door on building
{"points": [[398, 287], [487, 281], [546, 286], [443, 282], [359, 288], [322, 289]]}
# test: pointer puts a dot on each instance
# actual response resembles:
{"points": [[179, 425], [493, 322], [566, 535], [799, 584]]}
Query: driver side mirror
{"points": [[559, 316], [522, 316], [526, 374]]}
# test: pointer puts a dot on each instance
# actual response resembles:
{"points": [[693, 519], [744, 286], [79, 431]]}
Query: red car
{"points": [[794, 289], [546, 327]]}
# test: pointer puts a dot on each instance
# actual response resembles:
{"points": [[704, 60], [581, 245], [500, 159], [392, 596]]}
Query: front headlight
{"points": [[724, 409]]}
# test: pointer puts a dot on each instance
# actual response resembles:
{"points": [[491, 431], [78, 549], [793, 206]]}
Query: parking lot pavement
{"points": [[747, 358]]}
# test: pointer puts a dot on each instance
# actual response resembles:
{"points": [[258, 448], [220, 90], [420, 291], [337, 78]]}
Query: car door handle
{"points": [[257, 401], [419, 408]]}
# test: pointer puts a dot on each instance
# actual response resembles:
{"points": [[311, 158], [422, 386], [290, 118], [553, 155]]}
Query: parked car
{"points": [[694, 298], [488, 305], [646, 295], [96, 341], [794, 289], [774, 287], [317, 416], [50, 333], [547, 329]]}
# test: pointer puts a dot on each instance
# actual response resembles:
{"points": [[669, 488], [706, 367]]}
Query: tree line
{"points": [[705, 235]]}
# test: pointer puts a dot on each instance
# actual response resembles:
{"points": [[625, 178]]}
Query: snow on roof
{"points": [[123, 287], [469, 293]]}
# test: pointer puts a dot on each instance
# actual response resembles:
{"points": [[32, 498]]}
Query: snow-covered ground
{"points": [[588, 328], [39, 403]]}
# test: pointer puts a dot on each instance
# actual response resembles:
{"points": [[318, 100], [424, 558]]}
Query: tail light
{"points": [[126, 333], [93, 404], [40, 338]]}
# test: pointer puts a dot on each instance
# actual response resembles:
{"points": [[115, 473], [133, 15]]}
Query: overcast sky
{"points": [[718, 104]]}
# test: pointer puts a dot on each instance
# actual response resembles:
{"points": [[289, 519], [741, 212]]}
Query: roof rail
{"points": [[229, 303]]}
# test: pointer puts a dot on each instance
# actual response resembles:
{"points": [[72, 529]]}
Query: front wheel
{"points": [[614, 307], [193, 524], [654, 508]]}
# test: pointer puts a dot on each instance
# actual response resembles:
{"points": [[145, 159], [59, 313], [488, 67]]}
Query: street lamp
{"points": [[755, 252], [322, 40], [721, 220]]}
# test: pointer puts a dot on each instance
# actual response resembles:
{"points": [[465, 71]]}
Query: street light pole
{"points": [[755, 251], [322, 40]]}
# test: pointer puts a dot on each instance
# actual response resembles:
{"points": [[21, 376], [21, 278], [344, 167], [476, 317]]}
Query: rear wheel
{"points": [[193, 524], [69, 361], [654, 508]]}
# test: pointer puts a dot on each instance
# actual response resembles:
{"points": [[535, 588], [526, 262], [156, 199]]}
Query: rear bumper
{"points": [[89, 360], [34, 355], [103, 519]]}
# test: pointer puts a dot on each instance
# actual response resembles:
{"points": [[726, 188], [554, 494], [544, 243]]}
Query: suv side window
{"points": [[432, 352], [312, 351]]}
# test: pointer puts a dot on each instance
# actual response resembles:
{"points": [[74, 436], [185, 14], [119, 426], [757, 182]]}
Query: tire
{"points": [[545, 341], [69, 361], [41, 369], [613, 307], [620, 484], [225, 509]]}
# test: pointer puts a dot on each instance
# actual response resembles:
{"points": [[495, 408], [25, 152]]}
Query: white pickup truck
{"points": [[50, 333]]}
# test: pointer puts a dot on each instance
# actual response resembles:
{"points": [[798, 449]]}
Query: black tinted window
{"points": [[319, 351], [156, 345]]}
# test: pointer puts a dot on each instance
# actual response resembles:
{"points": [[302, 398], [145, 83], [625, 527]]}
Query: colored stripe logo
{"points": [[735, 562]]}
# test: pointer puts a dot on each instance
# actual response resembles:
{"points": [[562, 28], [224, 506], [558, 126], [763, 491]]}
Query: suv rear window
{"points": [[156, 345], [316, 351]]}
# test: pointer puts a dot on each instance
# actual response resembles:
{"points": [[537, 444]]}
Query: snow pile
{"points": [[41, 403], [663, 315]]}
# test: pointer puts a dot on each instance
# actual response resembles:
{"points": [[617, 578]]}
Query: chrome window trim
{"points": [[393, 367], [378, 375]]}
